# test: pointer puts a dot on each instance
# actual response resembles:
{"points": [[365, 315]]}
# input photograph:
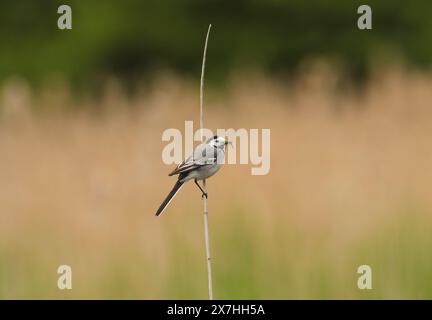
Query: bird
{"points": [[206, 160]]}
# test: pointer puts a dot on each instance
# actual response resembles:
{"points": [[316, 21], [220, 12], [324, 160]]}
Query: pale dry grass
{"points": [[350, 184]]}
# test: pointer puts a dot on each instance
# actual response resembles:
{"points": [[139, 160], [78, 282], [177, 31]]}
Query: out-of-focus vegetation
{"points": [[350, 184], [131, 38]]}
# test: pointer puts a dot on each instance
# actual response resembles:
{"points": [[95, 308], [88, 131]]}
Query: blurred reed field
{"points": [[350, 184]]}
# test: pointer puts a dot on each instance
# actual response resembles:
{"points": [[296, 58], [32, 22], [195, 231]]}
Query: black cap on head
{"points": [[212, 138]]}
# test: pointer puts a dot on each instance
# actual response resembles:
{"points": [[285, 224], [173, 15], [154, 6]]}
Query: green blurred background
{"points": [[131, 38]]}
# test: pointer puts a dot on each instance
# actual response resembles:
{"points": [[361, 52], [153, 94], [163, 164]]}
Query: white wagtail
{"points": [[206, 160]]}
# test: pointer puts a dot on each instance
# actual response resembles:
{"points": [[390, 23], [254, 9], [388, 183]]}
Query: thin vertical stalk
{"points": [[206, 223], [202, 85], [207, 245]]}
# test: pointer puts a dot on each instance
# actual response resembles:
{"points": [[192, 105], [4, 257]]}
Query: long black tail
{"points": [[168, 199]]}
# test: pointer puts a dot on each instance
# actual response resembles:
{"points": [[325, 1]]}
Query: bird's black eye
{"points": [[215, 137]]}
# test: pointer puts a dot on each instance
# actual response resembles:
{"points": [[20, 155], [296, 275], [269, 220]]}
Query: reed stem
{"points": [[206, 223]]}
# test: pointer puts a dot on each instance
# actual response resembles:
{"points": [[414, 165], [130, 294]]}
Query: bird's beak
{"points": [[228, 142]]}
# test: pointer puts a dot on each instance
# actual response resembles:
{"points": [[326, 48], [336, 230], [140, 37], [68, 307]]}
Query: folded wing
{"points": [[203, 155]]}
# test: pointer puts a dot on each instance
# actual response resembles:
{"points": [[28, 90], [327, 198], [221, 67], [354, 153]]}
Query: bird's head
{"points": [[217, 142]]}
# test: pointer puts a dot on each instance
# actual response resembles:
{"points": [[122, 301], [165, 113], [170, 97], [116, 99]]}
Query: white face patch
{"points": [[217, 142]]}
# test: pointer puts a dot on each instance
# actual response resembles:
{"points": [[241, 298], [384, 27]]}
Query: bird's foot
{"points": [[204, 195]]}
